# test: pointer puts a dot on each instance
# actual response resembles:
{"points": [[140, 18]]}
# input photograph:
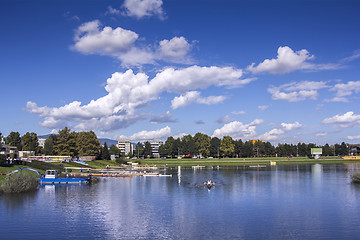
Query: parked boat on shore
{"points": [[51, 177]]}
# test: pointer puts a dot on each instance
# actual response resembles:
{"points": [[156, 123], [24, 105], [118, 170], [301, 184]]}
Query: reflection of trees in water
{"points": [[14, 201]]}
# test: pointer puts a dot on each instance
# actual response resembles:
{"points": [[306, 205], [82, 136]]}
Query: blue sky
{"points": [[281, 71]]}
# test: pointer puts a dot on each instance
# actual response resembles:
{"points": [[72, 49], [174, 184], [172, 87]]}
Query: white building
{"points": [[41, 142], [125, 146], [155, 144]]}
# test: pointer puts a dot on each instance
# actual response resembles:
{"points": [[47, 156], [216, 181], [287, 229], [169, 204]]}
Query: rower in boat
{"points": [[209, 184]]}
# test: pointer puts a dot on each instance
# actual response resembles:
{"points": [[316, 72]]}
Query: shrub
{"points": [[121, 161], [19, 182]]}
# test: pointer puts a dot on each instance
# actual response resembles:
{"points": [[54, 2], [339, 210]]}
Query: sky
{"points": [[281, 71]]}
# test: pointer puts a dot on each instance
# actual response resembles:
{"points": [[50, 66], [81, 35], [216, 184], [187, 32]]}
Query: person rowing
{"points": [[209, 184]]}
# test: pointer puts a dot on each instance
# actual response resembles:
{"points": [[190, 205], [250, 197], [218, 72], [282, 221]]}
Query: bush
{"points": [[121, 161], [355, 177], [19, 182]]}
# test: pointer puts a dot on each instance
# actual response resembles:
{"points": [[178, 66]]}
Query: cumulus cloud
{"points": [[346, 120], [175, 49], [291, 126], [143, 8], [194, 97], [149, 135], [288, 61], [345, 90], [92, 38], [297, 91], [238, 130], [277, 133], [128, 92], [199, 122]]}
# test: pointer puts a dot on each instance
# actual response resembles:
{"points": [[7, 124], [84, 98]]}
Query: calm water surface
{"points": [[281, 202]]}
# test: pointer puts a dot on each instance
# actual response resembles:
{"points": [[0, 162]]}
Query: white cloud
{"points": [[263, 107], [344, 90], [277, 133], [294, 92], [175, 49], [149, 135], [91, 39], [288, 61], [348, 119], [353, 137], [291, 126], [321, 134], [112, 11], [238, 130], [238, 112], [54, 131], [353, 57], [194, 97], [128, 92], [143, 8], [122, 44]]}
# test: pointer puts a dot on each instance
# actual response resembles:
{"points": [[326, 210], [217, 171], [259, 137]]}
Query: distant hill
{"points": [[109, 142]]}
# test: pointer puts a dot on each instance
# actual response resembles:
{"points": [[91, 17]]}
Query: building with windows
{"points": [[155, 144], [41, 142], [125, 146]]}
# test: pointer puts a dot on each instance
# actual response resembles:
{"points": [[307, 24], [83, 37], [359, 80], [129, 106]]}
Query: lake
{"points": [[278, 202]]}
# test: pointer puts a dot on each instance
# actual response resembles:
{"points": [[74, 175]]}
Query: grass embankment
{"points": [[243, 161]]}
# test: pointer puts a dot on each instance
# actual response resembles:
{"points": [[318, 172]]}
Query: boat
{"points": [[51, 177], [209, 184], [157, 175]]}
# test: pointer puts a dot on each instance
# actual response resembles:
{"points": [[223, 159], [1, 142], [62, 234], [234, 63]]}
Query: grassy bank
{"points": [[244, 161]]}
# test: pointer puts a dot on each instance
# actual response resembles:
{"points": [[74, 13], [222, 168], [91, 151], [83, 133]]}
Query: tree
{"points": [[14, 139], [327, 151], [87, 144], [30, 142], [49, 145], [65, 144], [147, 149], [105, 152], [166, 148], [238, 147], [248, 149], [188, 145], [139, 149], [227, 146], [114, 150], [215, 147], [202, 143], [344, 150]]}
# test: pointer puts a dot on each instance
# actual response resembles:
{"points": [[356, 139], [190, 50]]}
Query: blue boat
{"points": [[51, 177]]}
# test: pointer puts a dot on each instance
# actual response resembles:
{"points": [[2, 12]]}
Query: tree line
{"points": [[70, 143], [203, 145]]}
